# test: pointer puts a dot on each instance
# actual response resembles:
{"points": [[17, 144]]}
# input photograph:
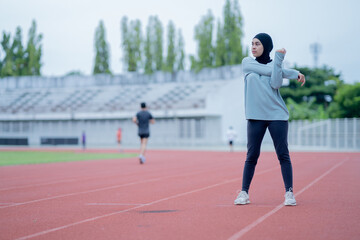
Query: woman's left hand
{"points": [[282, 50], [301, 78]]}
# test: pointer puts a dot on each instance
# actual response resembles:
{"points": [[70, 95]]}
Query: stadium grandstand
{"points": [[190, 109]]}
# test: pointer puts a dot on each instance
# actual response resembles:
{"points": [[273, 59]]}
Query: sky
{"points": [[68, 28]]}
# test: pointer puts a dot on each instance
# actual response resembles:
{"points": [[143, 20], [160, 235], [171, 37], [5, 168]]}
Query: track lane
{"points": [[201, 205]]}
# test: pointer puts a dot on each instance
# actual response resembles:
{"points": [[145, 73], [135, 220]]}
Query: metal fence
{"points": [[328, 134]]}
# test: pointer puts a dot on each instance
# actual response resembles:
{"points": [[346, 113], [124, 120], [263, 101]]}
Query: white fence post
{"points": [[337, 133], [354, 132], [346, 133]]}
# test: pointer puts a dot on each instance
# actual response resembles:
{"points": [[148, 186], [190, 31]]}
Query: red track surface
{"points": [[181, 195]]}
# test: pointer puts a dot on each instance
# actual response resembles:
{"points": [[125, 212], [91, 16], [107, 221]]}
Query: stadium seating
{"points": [[107, 98]]}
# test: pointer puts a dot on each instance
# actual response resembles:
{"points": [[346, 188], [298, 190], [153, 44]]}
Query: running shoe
{"points": [[141, 159], [289, 199], [242, 198]]}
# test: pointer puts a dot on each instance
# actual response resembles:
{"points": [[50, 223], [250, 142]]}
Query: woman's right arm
{"points": [[250, 65]]}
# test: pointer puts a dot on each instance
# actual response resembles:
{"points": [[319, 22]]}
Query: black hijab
{"points": [[267, 43]]}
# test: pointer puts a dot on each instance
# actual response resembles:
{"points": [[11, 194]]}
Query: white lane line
{"points": [[93, 177], [126, 210], [114, 204], [6, 203], [246, 229], [136, 207], [38, 184], [51, 183], [100, 189], [83, 192]]}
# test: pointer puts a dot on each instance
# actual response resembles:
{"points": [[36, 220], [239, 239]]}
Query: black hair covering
{"points": [[266, 41], [143, 105]]}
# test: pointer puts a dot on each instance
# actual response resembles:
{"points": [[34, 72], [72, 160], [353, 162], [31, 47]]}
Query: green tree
{"points": [[158, 42], [74, 73], [346, 102], [132, 44], [220, 49], [205, 49], [180, 52], [33, 52], [315, 96], [18, 54], [7, 62], [148, 48], [125, 41], [1, 62], [232, 32], [321, 85], [153, 45], [101, 64], [305, 110], [171, 51]]}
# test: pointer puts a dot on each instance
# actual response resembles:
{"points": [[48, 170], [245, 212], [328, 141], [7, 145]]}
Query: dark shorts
{"points": [[230, 142], [144, 135]]}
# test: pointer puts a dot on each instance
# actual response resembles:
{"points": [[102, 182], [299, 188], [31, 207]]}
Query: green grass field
{"points": [[32, 157]]}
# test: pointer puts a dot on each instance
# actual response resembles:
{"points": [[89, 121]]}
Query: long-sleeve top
{"points": [[262, 82]]}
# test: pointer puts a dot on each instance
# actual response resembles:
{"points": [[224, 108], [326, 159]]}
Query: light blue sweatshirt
{"points": [[262, 82]]}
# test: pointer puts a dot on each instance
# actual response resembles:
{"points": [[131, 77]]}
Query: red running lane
{"points": [[181, 195]]}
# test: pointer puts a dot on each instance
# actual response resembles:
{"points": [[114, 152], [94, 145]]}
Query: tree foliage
{"points": [[323, 96], [158, 44], [17, 60], [101, 64], [33, 52], [232, 32], [226, 49], [321, 84], [305, 110], [148, 49], [180, 52], [169, 65], [153, 45], [204, 37], [132, 44], [7, 62], [18, 54], [346, 101], [220, 49]]}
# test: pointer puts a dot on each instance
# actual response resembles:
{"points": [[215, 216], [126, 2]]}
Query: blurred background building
{"points": [[190, 109]]}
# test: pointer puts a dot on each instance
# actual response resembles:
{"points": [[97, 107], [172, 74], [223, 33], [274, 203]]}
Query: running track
{"points": [[181, 195]]}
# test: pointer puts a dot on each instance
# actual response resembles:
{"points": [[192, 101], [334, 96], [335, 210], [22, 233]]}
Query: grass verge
{"points": [[36, 157]]}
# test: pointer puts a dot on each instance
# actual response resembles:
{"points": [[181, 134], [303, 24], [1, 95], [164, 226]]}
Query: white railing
{"points": [[337, 134], [324, 134]]}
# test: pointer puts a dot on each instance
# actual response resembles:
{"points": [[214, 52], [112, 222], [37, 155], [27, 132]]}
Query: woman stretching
{"points": [[265, 109]]}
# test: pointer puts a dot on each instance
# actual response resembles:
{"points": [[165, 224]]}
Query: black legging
{"points": [[255, 133]]}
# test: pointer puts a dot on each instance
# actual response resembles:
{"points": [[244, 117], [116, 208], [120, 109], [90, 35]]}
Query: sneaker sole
{"points": [[247, 202], [290, 204]]}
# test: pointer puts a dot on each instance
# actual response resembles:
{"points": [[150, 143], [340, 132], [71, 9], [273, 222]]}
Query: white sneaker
{"points": [[242, 198], [289, 199], [141, 159]]}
